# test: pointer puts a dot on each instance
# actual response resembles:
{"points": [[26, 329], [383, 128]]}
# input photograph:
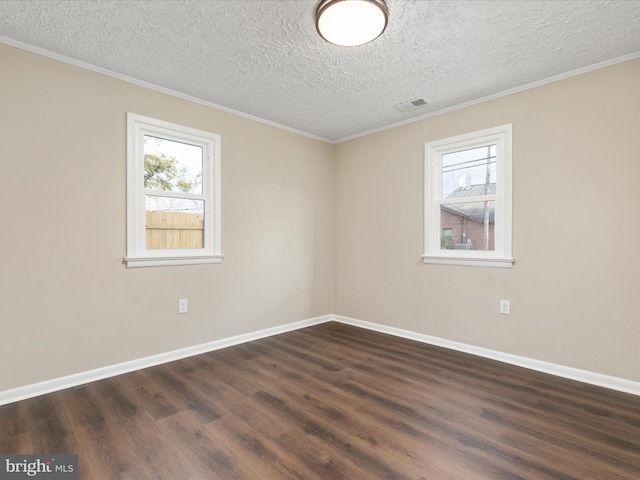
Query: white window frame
{"points": [[501, 256], [137, 254]]}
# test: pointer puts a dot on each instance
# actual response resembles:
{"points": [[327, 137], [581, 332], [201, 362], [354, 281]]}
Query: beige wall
{"points": [[68, 303], [574, 290]]}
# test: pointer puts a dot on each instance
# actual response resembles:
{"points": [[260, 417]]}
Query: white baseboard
{"points": [[584, 376], [48, 386]]}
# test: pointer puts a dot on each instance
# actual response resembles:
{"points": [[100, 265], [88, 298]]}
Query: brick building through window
{"points": [[463, 224]]}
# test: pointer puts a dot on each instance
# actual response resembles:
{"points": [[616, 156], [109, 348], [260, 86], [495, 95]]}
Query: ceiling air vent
{"points": [[412, 104]]}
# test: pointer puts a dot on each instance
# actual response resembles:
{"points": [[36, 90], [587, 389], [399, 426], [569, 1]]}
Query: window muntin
{"points": [[173, 194], [468, 199]]}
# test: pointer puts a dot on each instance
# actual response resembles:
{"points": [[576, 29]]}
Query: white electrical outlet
{"points": [[505, 307], [183, 305]]}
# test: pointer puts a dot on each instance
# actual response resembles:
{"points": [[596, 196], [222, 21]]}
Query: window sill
{"points": [[133, 262], [472, 262]]}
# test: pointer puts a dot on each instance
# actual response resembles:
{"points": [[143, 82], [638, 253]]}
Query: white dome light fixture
{"points": [[349, 23]]}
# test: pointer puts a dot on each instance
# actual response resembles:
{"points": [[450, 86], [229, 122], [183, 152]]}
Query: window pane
{"points": [[467, 226], [173, 166], [174, 222], [471, 171]]}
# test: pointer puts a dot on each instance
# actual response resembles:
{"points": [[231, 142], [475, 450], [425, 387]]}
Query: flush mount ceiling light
{"points": [[349, 23]]}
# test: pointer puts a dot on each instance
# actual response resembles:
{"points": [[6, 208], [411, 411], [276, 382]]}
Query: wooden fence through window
{"points": [[174, 230]]}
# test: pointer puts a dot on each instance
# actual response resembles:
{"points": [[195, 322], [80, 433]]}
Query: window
{"points": [[468, 199], [173, 194]]}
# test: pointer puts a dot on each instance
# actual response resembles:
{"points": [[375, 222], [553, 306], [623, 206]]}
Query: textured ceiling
{"points": [[264, 58]]}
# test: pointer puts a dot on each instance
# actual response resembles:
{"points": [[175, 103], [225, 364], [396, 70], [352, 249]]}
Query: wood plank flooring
{"points": [[333, 402]]}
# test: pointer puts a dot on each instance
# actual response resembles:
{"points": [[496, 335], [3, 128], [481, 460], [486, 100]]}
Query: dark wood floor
{"points": [[333, 402]]}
